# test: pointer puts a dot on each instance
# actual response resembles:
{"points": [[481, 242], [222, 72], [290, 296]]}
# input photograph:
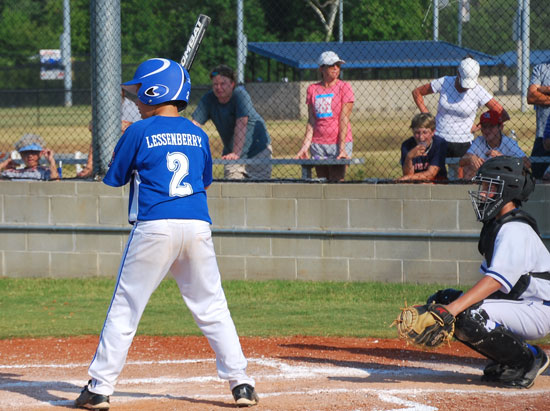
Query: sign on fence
{"points": [[51, 66]]}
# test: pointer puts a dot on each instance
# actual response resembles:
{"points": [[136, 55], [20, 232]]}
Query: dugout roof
{"points": [[371, 54], [509, 58]]}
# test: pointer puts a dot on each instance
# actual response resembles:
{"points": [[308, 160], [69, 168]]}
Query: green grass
{"points": [[40, 307], [37, 307]]}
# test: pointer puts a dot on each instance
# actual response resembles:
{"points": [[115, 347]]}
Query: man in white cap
{"points": [[460, 98], [31, 148]]}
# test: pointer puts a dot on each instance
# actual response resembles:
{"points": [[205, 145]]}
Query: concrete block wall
{"points": [[339, 232]]}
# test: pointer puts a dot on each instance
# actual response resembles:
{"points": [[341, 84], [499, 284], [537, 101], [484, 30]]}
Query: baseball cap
{"points": [[469, 72], [30, 142], [491, 117], [328, 58]]}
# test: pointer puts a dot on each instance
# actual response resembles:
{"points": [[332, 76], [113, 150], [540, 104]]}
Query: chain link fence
{"points": [[390, 48]]}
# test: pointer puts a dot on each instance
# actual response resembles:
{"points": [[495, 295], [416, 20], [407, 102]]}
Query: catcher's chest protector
{"points": [[491, 228]]}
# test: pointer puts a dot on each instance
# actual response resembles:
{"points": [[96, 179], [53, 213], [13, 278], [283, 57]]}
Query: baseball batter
{"points": [[511, 303], [167, 161]]}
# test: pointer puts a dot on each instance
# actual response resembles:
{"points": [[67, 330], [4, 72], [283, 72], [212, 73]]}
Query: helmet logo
{"points": [[156, 91]]}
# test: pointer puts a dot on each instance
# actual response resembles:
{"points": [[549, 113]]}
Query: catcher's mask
{"points": [[501, 180]]}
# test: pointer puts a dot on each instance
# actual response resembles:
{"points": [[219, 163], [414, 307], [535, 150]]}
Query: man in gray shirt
{"points": [[241, 128], [539, 95]]}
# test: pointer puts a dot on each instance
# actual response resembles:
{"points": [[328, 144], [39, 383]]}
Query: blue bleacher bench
{"points": [[307, 165]]}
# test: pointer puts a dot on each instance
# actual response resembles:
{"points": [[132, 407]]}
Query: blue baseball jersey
{"points": [[168, 162], [434, 156]]}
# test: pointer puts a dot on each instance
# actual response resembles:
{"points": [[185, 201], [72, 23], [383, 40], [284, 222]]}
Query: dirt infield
{"points": [[294, 373]]}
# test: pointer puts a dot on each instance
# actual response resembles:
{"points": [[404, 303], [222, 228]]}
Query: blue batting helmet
{"points": [[162, 80]]}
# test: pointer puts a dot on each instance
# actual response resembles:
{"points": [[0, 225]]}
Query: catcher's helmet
{"points": [[501, 180], [161, 80]]}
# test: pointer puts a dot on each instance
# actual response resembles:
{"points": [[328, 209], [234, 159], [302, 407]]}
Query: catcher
{"points": [[511, 303]]}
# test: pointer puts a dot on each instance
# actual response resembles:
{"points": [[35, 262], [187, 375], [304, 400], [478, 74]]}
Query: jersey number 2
{"points": [[178, 164]]}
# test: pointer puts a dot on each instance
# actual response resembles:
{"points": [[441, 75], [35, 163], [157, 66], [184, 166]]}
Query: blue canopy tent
{"points": [[372, 54]]}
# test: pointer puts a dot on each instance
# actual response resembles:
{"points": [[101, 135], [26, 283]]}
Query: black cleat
{"points": [[92, 401], [495, 372], [537, 367], [245, 395]]}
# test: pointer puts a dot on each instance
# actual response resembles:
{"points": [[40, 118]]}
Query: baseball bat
{"points": [[195, 41], [190, 53]]}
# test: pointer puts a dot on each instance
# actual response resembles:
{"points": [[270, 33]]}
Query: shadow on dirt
{"points": [[41, 392], [376, 372], [397, 354]]}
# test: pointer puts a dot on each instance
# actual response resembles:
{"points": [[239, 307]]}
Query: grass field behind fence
{"points": [[40, 307], [377, 137]]}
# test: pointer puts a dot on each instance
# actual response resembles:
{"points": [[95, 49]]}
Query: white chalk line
{"points": [[415, 367], [390, 396], [285, 371], [74, 365]]}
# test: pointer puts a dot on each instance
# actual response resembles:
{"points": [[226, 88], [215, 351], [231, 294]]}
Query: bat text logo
{"points": [[192, 41]]}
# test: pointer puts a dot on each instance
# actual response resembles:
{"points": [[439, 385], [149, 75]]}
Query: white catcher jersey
{"points": [[518, 250]]}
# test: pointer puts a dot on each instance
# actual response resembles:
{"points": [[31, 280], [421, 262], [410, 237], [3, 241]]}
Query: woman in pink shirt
{"points": [[328, 130]]}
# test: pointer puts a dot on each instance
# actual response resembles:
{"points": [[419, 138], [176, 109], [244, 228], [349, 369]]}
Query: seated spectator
{"points": [[423, 154], [31, 148], [242, 130], [491, 143]]}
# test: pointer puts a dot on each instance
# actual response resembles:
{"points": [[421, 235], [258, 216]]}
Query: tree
{"points": [[385, 20], [328, 20]]}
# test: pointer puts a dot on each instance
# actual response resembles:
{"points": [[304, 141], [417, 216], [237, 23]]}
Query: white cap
{"points": [[328, 58], [469, 72]]}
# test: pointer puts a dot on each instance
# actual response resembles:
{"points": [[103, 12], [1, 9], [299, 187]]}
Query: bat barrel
{"points": [[195, 41]]}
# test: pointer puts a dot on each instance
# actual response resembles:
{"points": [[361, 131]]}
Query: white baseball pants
{"points": [[185, 248], [528, 319]]}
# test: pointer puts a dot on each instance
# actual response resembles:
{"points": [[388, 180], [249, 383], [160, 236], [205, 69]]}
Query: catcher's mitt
{"points": [[426, 325]]}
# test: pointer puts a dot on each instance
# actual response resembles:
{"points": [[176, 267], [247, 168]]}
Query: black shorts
{"points": [[457, 149]]}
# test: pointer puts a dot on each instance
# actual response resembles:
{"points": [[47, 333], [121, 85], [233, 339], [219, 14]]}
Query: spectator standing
{"points": [[538, 94], [460, 97], [423, 154], [328, 130], [492, 143], [242, 130], [31, 147]]}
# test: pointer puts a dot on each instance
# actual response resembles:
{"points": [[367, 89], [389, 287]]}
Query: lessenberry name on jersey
{"points": [[174, 139]]}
